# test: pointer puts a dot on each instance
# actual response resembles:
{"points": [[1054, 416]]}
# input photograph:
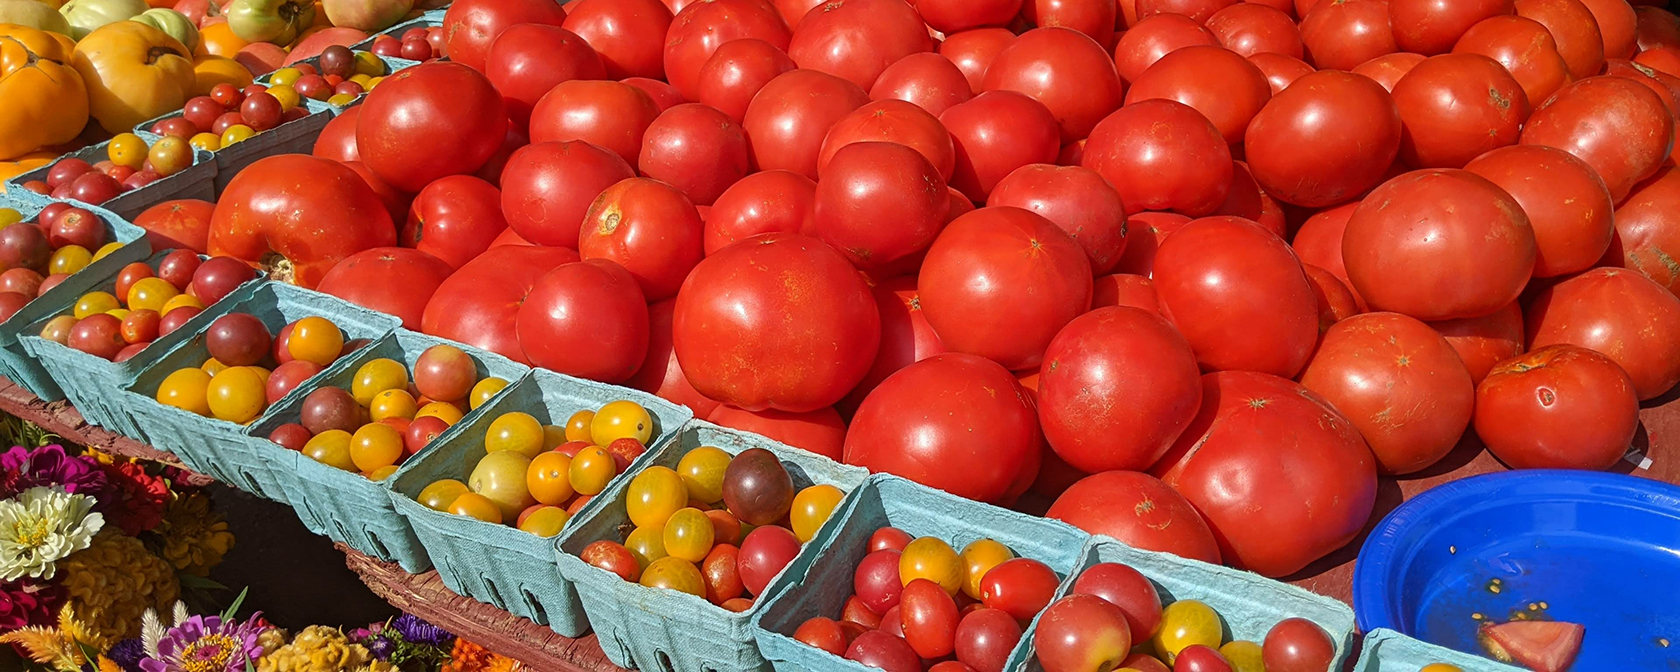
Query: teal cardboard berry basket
{"points": [[392, 66], [655, 629], [196, 181], [1389, 651], [345, 506], [501, 565]]}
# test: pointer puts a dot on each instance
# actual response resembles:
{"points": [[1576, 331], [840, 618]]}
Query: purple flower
{"points": [[22, 469], [127, 654], [417, 631], [27, 602], [207, 644], [381, 647]]}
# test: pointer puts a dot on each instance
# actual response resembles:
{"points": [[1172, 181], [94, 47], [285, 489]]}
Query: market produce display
{"points": [[132, 163], [250, 368], [38, 255], [147, 300]]}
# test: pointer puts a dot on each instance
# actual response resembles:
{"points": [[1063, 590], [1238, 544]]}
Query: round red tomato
{"points": [[1431, 27], [737, 71], [1000, 282], [1297, 645], [1096, 18], [1647, 231], [950, 16], [528, 59], [1558, 407], [1224, 87], [1347, 33], [697, 32], [1324, 140], [1456, 107], [1439, 245], [1579, 39], [880, 203], [1484, 341], [929, 617], [696, 149], [470, 27], [432, 100], [972, 51], [726, 334], [1616, 125], [955, 422], [1618, 25], [1281, 70], [455, 219], [1082, 632], [994, 134], [773, 201], [791, 115], [1139, 510], [649, 228], [183, 224], [986, 637], [392, 280], [628, 34], [1144, 233], [1250, 28], [1620, 313], [1155, 37], [271, 214], [892, 121], [547, 188], [1125, 289], [906, 336], [586, 319], [1525, 48], [337, 140], [1319, 241], [1276, 506], [1666, 86], [611, 115], [1238, 295], [1076, 199], [856, 40], [1162, 155], [1387, 69], [1020, 587], [1117, 388], [660, 373], [1069, 73], [1126, 588], [820, 431], [928, 80], [479, 304], [1567, 204], [764, 552]]}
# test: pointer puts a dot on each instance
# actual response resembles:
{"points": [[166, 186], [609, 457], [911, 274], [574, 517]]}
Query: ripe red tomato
{"points": [[996, 133], [660, 373], [183, 223], [772, 201], [1456, 107], [1082, 632], [430, 100], [1126, 588], [1140, 511], [1324, 140], [696, 149], [1097, 19], [825, 634], [1617, 24], [547, 188], [728, 348], [455, 219], [791, 115], [1076, 199], [1197, 10], [857, 39], [1020, 587], [1297, 645], [1201, 658], [1525, 48], [585, 319], [955, 422], [1281, 71], [1347, 33], [876, 581], [950, 16], [1069, 73], [1277, 507], [737, 71], [1187, 161], [881, 649], [1431, 27], [470, 27], [1439, 245], [820, 431], [479, 304], [1660, 83], [1155, 37], [928, 80], [1567, 204], [393, 280], [906, 337], [702, 27], [1646, 233], [1319, 242], [1125, 289], [972, 51], [880, 203], [892, 121], [1000, 282], [1224, 87], [985, 637], [396, 200], [764, 553], [1558, 407], [338, 138], [1144, 233], [271, 214], [1622, 314], [1580, 41], [1616, 125], [1484, 341], [611, 115], [1335, 301], [649, 228], [1250, 28], [629, 35], [929, 618], [529, 59], [1387, 69]]}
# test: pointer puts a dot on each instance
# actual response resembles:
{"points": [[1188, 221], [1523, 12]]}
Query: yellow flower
{"points": [[194, 537], [59, 647], [500, 663], [317, 648], [113, 582]]}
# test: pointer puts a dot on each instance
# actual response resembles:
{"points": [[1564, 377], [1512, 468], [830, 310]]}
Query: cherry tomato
{"points": [[929, 618], [1128, 589], [474, 505], [516, 431], [577, 426], [702, 472], [487, 388], [1198, 658], [688, 534], [544, 521], [877, 581], [186, 389], [1081, 632], [985, 638], [387, 404], [375, 446], [438, 495], [884, 651], [980, 556], [446, 373], [811, 508], [1021, 587], [889, 538], [825, 634], [377, 376], [613, 557], [1247, 656], [856, 612], [931, 558], [757, 488], [647, 544], [549, 478], [592, 468], [500, 476], [653, 496], [764, 553], [617, 420], [1186, 623], [237, 395], [722, 571], [676, 574], [1297, 645], [316, 339]]}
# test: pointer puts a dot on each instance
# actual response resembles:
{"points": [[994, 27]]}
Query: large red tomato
{"points": [[1239, 296], [950, 16], [955, 422], [1432, 27], [1162, 155], [880, 203], [1484, 341], [893, 121], [994, 134], [1456, 107], [454, 219], [628, 34], [1618, 24], [1140, 511], [1666, 86], [732, 333], [479, 304], [1096, 18], [1439, 245], [1400, 383], [659, 372], [1618, 126], [791, 115], [856, 40], [701, 27], [1071, 74], [1076, 199], [1248, 201], [1647, 234], [1224, 87], [737, 71], [649, 228], [1155, 37], [1387, 69], [183, 223], [586, 319], [696, 149], [1559, 407], [773, 201], [407, 115], [547, 188], [972, 51], [1144, 233], [1579, 40], [1619, 313], [1117, 388], [1250, 28], [1525, 48], [820, 431], [529, 59], [1000, 282], [275, 214], [1281, 70], [664, 96], [1125, 289], [338, 138], [927, 80], [393, 280], [906, 337], [1275, 506], [1319, 241], [1567, 204], [611, 115], [1340, 35], [471, 26], [1658, 27], [1324, 140], [1197, 10]]}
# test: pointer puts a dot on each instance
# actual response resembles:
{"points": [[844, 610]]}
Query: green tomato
{"points": [[172, 23], [34, 14], [276, 21], [85, 16]]}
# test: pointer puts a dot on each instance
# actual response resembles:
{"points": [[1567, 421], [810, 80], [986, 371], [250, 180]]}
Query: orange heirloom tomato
{"points": [[210, 70], [217, 39], [46, 99], [133, 72]]}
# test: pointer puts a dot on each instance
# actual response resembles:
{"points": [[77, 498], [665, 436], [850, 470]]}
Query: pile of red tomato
{"points": [[1241, 257]]}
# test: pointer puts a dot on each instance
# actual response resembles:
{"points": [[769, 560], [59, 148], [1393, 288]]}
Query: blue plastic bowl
{"points": [[1598, 549]]}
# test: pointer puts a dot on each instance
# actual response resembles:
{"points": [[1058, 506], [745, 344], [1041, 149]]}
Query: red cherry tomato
{"points": [[985, 638], [888, 538], [1020, 587], [764, 553], [929, 618], [1297, 645], [1199, 658], [885, 651], [825, 634], [1128, 589], [1082, 632]]}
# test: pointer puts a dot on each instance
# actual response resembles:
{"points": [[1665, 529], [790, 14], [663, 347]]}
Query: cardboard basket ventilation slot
{"points": [[196, 181]]}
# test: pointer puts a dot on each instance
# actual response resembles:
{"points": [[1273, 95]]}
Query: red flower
{"points": [[135, 499]]}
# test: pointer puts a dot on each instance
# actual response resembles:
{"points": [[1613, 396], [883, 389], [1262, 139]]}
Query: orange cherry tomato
{"points": [[315, 339], [549, 478], [474, 505]]}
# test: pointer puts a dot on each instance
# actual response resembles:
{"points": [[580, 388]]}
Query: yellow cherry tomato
{"points": [[702, 472], [283, 77], [9, 216], [119, 313], [368, 65], [932, 559], [287, 96], [484, 390], [618, 420], [375, 446], [1186, 623], [553, 436], [315, 339], [361, 79], [592, 468], [440, 494], [501, 477], [127, 149], [332, 448], [392, 404], [1440, 667], [654, 495], [94, 303], [515, 431], [688, 535], [151, 294], [378, 376], [374, 82], [237, 395], [676, 574], [546, 521], [181, 301], [381, 473], [549, 478], [474, 505], [812, 507], [647, 544], [185, 389], [236, 134], [69, 259], [978, 558], [577, 426], [208, 142], [341, 99], [446, 412], [1244, 656], [106, 250], [213, 367]]}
